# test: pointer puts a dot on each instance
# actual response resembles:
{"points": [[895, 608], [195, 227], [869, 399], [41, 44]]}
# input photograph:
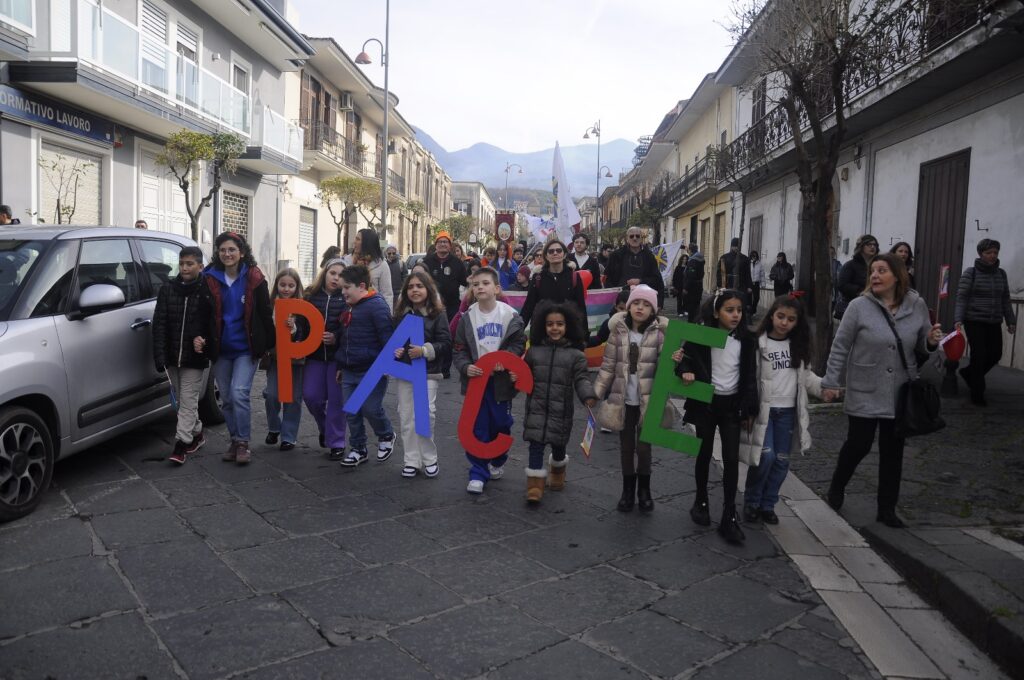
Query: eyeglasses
{"points": [[556, 251], [633, 236]]}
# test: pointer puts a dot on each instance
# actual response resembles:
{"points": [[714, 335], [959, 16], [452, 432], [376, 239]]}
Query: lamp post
{"points": [[509, 166], [595, 130], [607, 173], [364, 58]]}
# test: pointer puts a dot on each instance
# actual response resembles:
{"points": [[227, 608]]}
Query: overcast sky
{"points": [[523, 74]]}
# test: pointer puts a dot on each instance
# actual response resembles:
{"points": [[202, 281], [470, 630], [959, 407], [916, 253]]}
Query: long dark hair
{"points": [[433, 304], [799, 338], [910, 253], [369, 245], [573, 324], [246, 259], [714, 304]]}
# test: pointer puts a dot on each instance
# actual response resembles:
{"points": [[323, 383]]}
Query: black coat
{"points": [[617, 272], [331, 308], [782, 275], [727, 275], [448, 276], [184, 311], [693, 282], [437, 335], [591, 266], [697, 360], [566, 286], [853, 277], [558, 371]]}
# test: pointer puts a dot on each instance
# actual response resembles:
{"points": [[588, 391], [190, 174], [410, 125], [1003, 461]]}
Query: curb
{"points": [[970, 599]]}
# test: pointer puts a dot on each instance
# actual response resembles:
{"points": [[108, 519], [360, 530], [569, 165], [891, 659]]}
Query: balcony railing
{"points": [[19, 13], [703, 175], [909, 34], [396, 182], [328, 141], [280, 134]]}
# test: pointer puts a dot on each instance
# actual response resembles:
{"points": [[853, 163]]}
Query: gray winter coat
{"points": [[864, 356], [557, 371]]}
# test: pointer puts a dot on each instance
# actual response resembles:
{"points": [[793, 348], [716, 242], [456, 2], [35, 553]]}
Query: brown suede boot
{"points": [[243, 455], [232, 453], [535, 485], [556, 477]]}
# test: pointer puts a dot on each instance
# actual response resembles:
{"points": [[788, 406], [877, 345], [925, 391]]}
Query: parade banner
{"points": [[505, 226], [286, 350], [540, 227], [600, 303]]}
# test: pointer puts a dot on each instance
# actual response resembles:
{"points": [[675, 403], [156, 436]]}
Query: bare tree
{"points": [[64, 177]]}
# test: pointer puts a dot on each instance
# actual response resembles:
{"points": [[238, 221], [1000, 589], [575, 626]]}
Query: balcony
{"points": [[396, 182], [327, 142], [19, 14], [276, 146], [900, 70], [640, 152], [698, 184]]}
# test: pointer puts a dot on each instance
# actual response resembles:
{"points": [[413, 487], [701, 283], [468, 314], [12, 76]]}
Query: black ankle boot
{"points": [[729, 528], [628, 493], [890, 519], [699, 513], [836, 496], [643, 493]]}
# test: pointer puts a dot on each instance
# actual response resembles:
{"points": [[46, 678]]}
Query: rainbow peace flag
{"points": [[599, 304]]}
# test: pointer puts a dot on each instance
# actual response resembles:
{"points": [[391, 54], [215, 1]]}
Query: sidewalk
{"points": [[962, 498]]}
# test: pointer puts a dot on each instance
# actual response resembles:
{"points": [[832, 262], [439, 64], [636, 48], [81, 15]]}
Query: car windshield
{"points": [[16, 259]]}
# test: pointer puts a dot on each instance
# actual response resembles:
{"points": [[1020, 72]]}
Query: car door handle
{"points": [[141, 323]]}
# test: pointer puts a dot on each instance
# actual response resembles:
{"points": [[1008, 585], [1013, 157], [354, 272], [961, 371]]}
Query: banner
{"points": [[567, 217], [505, 227], [944, 282], [540, 228], [666, 255]]}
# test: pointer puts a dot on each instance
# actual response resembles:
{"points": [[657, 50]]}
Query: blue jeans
{"points": [[494, 417], [234, 378], [537, 454], [289, 426], [764, 481], [372, 409]]}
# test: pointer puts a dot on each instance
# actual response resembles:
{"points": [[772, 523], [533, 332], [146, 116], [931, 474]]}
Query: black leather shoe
{"points": [[643, 493], [769, 517], [729, 528], [700, 514], [628, 498], [336, 454], [889, 519], [287, 446], [835, 498], [751, 515], [272, 438], [323, 441]]}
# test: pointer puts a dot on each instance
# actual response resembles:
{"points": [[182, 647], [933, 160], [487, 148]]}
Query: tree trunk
{"points": [[822, 279], [195, 228]]}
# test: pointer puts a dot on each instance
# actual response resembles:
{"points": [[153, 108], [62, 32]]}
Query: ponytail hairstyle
{"points": [[799, 338]]}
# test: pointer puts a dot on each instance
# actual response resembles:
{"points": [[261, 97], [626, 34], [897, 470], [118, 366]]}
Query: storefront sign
{"points": [[35, 108]]}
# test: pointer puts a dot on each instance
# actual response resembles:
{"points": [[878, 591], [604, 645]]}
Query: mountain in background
{"points": [[485, 163]]}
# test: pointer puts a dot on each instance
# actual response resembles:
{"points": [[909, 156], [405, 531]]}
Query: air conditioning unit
{"points": [[345, 101]]}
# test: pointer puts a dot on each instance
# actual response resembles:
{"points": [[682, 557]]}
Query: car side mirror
{"points": [[99, 297]]}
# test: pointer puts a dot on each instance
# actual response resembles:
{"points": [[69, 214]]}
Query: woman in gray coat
{"points": [[864, 358]]}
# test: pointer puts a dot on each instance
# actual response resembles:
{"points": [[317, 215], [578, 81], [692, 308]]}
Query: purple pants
{"points": [[322, 394]]}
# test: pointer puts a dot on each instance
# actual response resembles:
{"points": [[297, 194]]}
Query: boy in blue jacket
{"points": [[365, 328]]}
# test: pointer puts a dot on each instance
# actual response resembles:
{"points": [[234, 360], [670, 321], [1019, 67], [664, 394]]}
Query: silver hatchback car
{"points": [[76, 358]]}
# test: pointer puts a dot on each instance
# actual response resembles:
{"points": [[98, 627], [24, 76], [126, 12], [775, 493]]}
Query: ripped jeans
{"points": [[765, 480]]}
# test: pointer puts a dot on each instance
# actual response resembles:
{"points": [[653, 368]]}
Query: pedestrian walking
{"points": [[693, 290], [679, 283], [555, 282], [982, 305], [285, 426], [784, 379], [488, 326], [624, 384], [366, 251], [506, 267], [320, 389], [782, 275], [732, 371], [757, 281], [583, 260], [559, 368], [733, 272], [397, 268], [865, 360], [906, 253], [448, 272], [633, 264], [853, 277], [419, 297], [182, 322], [366, 326], [244, 333]]}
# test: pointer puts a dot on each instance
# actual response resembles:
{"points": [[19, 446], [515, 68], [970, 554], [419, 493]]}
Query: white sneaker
{"points": [[496, 472], [475, 486]]}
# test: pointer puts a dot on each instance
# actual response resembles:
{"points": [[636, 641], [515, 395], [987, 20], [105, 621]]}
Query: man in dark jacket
{"points": [[853, 277], [693, 279], [734, 271], [448, 272], [584, 261], [633, 264], [398, 273], [183, 316]]}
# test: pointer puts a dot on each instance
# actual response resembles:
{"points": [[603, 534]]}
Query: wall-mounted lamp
{"points": [[858, 151], [215, 56]]}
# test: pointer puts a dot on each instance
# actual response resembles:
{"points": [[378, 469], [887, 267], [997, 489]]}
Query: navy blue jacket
{"points": [[365, 329]]}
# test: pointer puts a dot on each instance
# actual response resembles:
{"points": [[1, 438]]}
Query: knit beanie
{"points": [[644, 292]]}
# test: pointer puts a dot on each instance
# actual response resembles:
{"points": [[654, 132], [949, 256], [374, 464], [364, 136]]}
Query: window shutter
{"points": [[154, 33], [188, 42]]}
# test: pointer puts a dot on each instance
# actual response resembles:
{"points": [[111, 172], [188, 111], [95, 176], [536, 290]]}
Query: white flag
{"points": [[539, 227], [666, 255], [567, 217]]}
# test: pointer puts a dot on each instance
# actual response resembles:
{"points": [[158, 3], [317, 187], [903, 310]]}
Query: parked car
{"points": [[412, 260], [76, 357]]}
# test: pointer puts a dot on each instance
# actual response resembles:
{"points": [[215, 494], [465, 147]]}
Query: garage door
{"points": [[69, 186]]}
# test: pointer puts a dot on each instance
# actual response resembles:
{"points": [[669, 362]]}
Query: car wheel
{"points": [[26, 461], [209, 405]]}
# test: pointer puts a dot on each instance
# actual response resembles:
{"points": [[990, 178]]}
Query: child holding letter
{"points": [[320, 388], [287, 285]]}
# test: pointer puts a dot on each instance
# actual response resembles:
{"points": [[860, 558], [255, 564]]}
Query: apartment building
{"points": [[473, 199], [99, 86]]}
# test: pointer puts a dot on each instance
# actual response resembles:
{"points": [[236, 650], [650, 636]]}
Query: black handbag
{"points": [[918, 402]]}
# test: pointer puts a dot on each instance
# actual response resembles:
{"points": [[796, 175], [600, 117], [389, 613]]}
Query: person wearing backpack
{"points": [[556, 282]]}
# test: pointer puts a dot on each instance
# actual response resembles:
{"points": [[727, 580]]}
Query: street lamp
{"points": [[595, 130], [363, 58], [509, 166]]}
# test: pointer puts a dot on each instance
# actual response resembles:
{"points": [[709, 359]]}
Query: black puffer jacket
{"points": [[557, 370], [184, 311], [853, 277], [330, 307], [983, 294]]}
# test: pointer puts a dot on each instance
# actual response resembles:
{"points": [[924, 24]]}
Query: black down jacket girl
{"points": [[558, 370]]}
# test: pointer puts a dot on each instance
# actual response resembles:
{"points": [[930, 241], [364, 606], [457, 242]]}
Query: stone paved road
{"points": [[295, 567]]}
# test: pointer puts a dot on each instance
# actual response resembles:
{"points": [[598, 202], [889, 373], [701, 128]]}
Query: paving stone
{"points": [[730, 607], [482, 569], [218, 641], [955, 656], [232, 473], [582, 600], [568, 660], [831, 529], [120, 496], [583, 543], [885, 644], [996, 541], [825, 573], [327, 516], [383, 542], [231, 526], [471, 640], [781, 574], [794, 489], [758, 544], [369, 601], [997, 564], [52, 506], [95, 466], [88, 586], [772, 663], [822, 650], [274, 567], [372, 660], [114, 647], [945, 536], [867, 566], [125, 529], [795, 538], [678, 565], [274, 494], [655, 643], [466, 523], [201, 490], [22, 546], [179, 575], [898, 595]]}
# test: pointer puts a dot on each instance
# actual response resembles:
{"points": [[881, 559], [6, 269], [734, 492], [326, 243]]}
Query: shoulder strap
{"points": [[899, 342]]}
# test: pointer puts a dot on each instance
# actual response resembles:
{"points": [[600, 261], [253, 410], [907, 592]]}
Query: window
{"points": [[110, 262], [307, 244], [240, 77], [756, 224], [161, 261], [235, 209]]}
